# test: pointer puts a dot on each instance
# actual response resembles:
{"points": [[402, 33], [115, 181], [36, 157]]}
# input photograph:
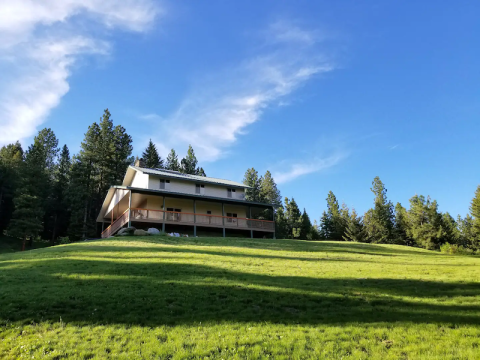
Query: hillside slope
{"points": [[235, 298]]}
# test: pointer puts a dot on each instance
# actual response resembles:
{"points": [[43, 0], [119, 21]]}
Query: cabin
{"points": [[183, 203]]}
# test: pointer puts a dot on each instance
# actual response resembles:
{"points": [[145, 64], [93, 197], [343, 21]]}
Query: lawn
{"points": [[175, 298]]}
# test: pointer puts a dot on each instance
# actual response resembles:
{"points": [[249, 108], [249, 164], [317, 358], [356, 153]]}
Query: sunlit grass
{"points": [[172, 298]]}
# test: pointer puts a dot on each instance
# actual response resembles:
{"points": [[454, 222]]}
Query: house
{"points": [[184, 203]]}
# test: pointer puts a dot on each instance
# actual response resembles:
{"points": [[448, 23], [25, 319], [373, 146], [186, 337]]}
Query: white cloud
{"points": [[304, 168], [41, 41], [218, 110]]}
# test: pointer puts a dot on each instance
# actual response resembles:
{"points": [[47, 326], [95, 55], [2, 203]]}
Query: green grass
{"points": [[10, 244], [175, 298]]}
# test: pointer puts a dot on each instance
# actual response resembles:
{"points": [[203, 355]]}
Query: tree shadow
{"points": [[165, 293]]}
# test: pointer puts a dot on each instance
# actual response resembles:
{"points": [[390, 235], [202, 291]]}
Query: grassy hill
{"points": [[172, 298]]}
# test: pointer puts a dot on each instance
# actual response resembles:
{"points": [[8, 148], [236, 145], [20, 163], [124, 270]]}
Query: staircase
{"points": [[117, 224]]}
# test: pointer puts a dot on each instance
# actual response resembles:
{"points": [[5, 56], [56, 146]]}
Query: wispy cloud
{"points": [[299, 169], [41, 41], [220, 109]]}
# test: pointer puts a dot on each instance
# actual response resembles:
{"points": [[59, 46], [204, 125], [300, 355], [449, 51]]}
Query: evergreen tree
{"points": [[201, 172], [122, 156], [425, 223], [450, 226], [11, 159], [475, 213], [378, 223], [268, 191], [401, 225], [326, 227], [336, 223], [354, 228], [30, 197], [189, 162], [151, 158], [293, 218], [281, 227], [60, 195], [467, 233], [252, 180], [172, 161], [305, 226]]}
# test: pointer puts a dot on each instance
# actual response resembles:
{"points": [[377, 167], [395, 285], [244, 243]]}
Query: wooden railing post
{"points": [[163, 223], [130, 210]]}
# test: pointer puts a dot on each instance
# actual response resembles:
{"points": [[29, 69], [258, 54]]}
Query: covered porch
{"points": [[167, 210]]}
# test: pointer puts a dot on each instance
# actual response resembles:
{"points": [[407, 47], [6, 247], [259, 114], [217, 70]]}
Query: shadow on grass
{"points": [[161, 293]]}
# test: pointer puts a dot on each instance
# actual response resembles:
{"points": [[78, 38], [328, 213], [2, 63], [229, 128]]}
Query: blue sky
{"points": [[326, 95]]}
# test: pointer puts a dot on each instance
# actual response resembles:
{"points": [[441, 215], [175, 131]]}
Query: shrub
{"points": [[64, 240], [448, 248]]}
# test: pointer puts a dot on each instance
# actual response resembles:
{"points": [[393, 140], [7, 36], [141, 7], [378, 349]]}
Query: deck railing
{"points": [[174, 217], [116, 225]]}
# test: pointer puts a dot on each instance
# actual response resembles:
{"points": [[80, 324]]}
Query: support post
{"points": [[273, 218], [130, 210], [163, 223], [113, 208], [103, 226], [194, 218], [223, 218], [250, 216]]}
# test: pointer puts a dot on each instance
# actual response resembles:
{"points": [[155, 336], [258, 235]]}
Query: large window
{"points": [[231, 193]]}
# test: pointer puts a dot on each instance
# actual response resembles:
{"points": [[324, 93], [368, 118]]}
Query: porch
{"points": [[159, 210]]}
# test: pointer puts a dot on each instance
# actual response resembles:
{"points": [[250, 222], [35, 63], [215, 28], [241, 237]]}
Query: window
{"points": [[173, 214], [200, 189], [230, 217], [230, 193], [209, 212], [164, 184]]}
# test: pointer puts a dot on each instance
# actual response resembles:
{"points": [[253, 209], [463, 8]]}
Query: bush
{"points": [[448, 248], [64, 240]]}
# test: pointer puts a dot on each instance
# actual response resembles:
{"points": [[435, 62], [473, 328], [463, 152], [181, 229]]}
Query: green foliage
{"points": [[425, 223], [401, 226], [475, 213], [252, 180], [172, 161], [63, 240], [378, 222], [451, 232], [189, 164], [305, 227], [453, 249], [468, 236], [354, 228], [293, 218], [11, 159], [268, 190], [151, 158]]}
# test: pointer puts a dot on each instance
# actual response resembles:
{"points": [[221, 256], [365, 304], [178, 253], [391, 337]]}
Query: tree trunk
{"points": [[85, 221], [24, 243]]}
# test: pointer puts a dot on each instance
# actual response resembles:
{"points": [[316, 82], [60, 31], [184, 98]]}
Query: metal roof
{"points": [[195, 178]]}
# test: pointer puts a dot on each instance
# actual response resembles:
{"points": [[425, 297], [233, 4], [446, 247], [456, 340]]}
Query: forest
{"points": [[45, 193]]}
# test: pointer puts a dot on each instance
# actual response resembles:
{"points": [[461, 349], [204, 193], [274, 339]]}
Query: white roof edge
{"points": [[189, 177]]}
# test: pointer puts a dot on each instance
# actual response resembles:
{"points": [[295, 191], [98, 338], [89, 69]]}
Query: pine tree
{"points": [[122, 156], [252, 180], [172, 161], [281, 226], [268, 191], [305, 226], [379, 225], [60, 195], [293, 218], [467, 233], [475, 213], [337, 226], [354, 228], [151, 158], [201, 172], [401, 225], [326, 227], [450, 226], [189, 162], [425, 223], [27, 220], [11, 159]]}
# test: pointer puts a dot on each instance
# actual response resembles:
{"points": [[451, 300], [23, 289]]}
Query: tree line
{"points": [[422, 225], [45, 192]]}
